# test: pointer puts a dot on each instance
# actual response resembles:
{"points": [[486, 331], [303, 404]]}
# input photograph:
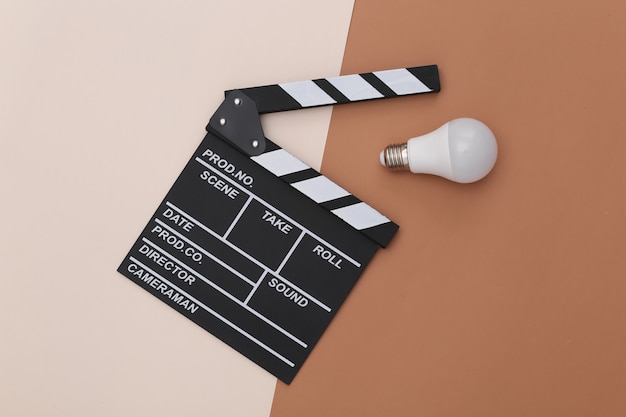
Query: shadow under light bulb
{"points": [[463, 150]]}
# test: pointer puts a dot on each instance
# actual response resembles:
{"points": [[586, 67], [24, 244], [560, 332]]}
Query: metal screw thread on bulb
{"points": [[396, 156]]}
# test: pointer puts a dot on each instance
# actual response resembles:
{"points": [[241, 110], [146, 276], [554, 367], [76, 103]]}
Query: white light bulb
{"points": [[463, 150]]}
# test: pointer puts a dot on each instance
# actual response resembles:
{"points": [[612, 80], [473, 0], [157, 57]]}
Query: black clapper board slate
{"points": [[253, 245]]}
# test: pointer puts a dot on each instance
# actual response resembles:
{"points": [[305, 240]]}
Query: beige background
{"points": [[502, 298], [101, 105]]}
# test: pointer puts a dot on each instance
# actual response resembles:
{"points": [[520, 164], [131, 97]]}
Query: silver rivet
{"points": [[255, 143], [222, 121], [237, 101]]}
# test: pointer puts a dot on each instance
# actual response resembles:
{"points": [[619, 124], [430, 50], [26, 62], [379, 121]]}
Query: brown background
{"points": [[504, 297]]}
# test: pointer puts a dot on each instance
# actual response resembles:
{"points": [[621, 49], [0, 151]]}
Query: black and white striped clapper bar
{"points": [[329, 91], [252, 244]]}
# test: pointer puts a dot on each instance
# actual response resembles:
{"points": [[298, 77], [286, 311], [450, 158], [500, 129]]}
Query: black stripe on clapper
{"points": [[382, 233], [300, 176], [330, 89], [379, 85], [429, 75], [340, 202], [271, 99], [270, 146]]}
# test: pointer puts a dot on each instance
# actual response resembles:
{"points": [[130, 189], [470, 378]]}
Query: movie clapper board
{"points": [[252, 244]]}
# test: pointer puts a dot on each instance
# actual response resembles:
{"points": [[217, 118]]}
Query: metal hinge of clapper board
{"points": [[237, 120]]}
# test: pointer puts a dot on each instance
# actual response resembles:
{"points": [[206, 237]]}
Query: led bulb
{"points": [[463, 150]]}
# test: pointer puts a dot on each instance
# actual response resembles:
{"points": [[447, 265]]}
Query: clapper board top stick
{"points": [[252, 244], [315, 93]]}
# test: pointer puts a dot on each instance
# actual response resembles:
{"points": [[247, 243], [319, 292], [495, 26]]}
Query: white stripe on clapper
{"points": [[401, 81], [320, 189], [280, 162], [307, 93], [360, 216]]}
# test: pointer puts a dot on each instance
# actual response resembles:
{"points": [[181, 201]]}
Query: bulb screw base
{"points": [[396, 156]]}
